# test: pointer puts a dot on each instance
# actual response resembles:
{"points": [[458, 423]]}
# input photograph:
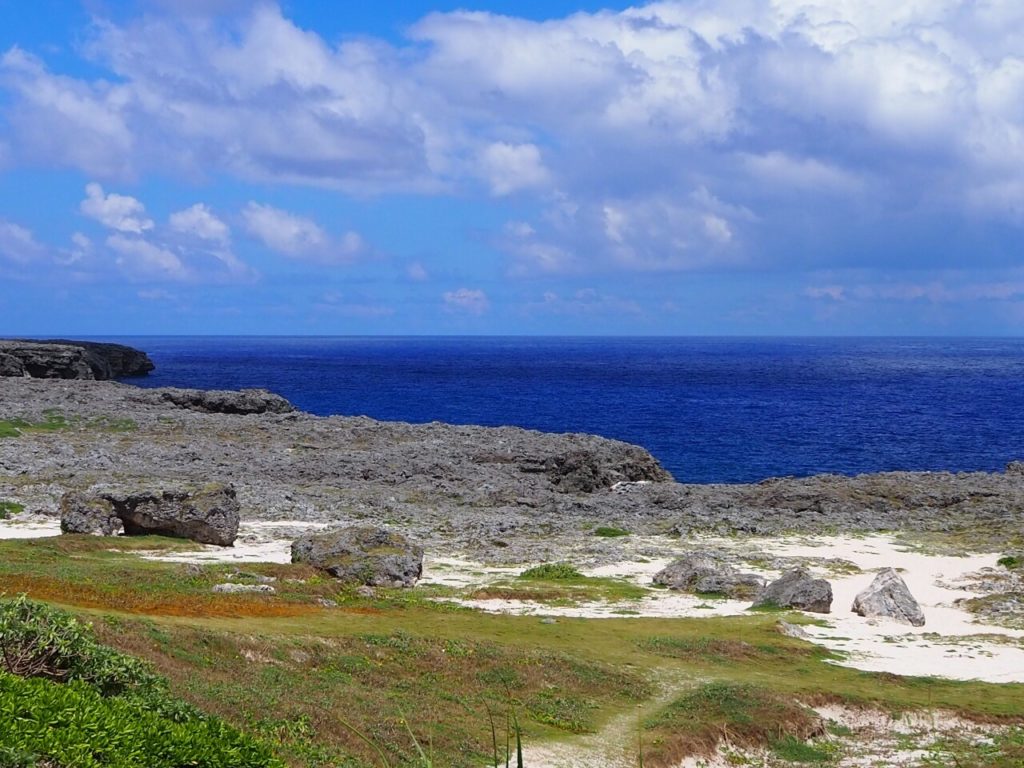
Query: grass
{"points": [[610, 532], [560, 584], [403, 669], [552, 572], [9, 508], [54, 421]]}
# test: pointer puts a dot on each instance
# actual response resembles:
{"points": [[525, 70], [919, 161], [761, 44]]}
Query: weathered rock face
{"points": [[246, 401], [589, 470], [797, 589], [61, 359], [889, 596], [208, 515], [701, 573], [363, 555], [90, 514]]}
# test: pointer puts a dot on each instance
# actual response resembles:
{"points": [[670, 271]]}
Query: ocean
{"points": [[710, 409]]}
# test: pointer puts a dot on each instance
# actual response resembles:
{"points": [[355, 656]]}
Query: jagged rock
{"points": [[792, 630], [889, 596], [208, 515], [62, 359], [363, 555], [11, 365], [701, 573], [797, 589], [84, 513], [246, 401], [1015, 468], [236, 589], [586, 470]]}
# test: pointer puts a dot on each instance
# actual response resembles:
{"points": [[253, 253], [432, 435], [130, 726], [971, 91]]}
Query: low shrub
{"points": [[610, 532], [551, 572]]}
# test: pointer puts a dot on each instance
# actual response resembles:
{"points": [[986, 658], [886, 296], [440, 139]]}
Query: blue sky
{"points": [[695, 167]]}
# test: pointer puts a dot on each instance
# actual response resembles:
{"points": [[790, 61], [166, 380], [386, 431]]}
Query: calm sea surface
{"points": [[711, 409]]}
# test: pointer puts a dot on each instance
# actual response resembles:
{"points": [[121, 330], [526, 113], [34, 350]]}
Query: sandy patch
{"points": [[29, 527]]}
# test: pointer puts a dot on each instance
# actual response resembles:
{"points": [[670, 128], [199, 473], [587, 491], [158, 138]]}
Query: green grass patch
{"points": [[54, 421], [795, 750], [9, 508], [610, 532], [551, 572], [1010, 562]]}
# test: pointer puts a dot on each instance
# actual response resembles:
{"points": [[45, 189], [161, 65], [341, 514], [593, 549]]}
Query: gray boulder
{"points": [[208, 515], [10, 365], [230, 588], [797, 589], [889, 596], [89, 514], [702, 573], [363, 555], [242, 402]]}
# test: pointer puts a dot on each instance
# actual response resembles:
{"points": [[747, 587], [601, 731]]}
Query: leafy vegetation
{"points": [[9, 508], [551, 572], [1010, 562], [55, 421]]}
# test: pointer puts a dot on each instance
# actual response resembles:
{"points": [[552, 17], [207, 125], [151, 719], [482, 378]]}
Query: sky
{"points": [[700, 167]]}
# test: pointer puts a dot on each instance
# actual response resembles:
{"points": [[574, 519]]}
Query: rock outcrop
{"points": [[701, 573], [61, 359], [208, 515], [593, 469], [245, 401], [889, 596], [366, 555], [797, 589]]}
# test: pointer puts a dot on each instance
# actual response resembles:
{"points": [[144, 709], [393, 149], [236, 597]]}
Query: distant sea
{"points": [[711, 409]]}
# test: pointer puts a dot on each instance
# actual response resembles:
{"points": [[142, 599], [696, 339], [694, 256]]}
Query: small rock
{"points": [[792, 630], [235, 589], [323, 602], [702, 573], [889, 596], [548, 620], [366, 592], [366, 555]]}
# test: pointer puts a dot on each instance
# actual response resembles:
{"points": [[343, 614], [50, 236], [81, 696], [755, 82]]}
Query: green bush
{"points": [[8, 508], [37, 640], [551, 572], [47, 723], [1010, 561]]}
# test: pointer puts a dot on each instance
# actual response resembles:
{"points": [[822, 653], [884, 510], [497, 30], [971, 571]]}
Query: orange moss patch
{"points": [[136, 602]]}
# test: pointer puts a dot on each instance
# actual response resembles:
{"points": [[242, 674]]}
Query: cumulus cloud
{"points": [[585, 302], [417, 272], [468, 301], [199, 221], [299, 237], [18, 245], [118, 212], [627, 114], [141, 259]]}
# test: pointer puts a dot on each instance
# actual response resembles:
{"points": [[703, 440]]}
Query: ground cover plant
{"points": [[375, 679], [55, 421]]}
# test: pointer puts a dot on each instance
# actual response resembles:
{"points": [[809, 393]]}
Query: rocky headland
{"points": [[62, 359]]}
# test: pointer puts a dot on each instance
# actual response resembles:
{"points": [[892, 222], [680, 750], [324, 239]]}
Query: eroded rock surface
{"points": [[702, 573], [242, 402], [889, 596], [61, 359], [797, 589], [208, 515], [366, 555]]}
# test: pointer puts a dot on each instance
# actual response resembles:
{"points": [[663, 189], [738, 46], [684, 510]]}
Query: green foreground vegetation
{"points": [[401, 679]]}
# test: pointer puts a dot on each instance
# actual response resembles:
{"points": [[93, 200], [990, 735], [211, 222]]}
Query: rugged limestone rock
{"points": [[208, 515], [246, 401], [889, 596], [593, 469], [90, 514], [230, 588], [700, 572], [61, 359], [797, 589], [362, 554], [1015, 468]]}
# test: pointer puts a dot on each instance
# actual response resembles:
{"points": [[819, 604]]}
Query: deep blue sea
{"points": [[711, 409]]}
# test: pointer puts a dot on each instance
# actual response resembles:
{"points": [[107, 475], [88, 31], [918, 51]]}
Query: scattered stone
{"points": [[242, 402], [792, 630], [797, 589], [362, 554], [1015, 468], [88, 514], [324, 602], [366, 592], [702, 573], [236, 589], [889, 596], [549, 620]]}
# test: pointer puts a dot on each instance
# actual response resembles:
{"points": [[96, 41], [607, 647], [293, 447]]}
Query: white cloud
{"points": [[18, 245], [585, 302], [198, 221], [513, 167], [470, 301], [118, 212], [141, 259], [299, 237], [417, 272]]}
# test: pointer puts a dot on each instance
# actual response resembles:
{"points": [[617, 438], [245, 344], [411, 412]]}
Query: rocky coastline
{"points": [[496, 494], [63, 359]]}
